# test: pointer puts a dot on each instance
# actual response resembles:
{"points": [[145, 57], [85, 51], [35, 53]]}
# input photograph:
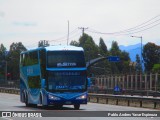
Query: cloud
{"points": [[25, 24], [2, 14]]}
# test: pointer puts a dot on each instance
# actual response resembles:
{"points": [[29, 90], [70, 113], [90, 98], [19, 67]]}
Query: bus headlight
{"points": [[82, 97], [51, 97]]}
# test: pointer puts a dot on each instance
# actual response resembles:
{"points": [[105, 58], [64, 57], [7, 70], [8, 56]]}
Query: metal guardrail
{"points": [[124, 100], [126, 92], [9, 90]]}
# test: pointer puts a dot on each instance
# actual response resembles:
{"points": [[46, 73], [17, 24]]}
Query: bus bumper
{"points": [[66, 102]]}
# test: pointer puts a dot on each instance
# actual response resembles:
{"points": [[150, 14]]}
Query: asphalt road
{"points": [[11, 102]]}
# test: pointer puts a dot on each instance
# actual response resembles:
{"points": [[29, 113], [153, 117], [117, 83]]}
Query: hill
{"points": [[132, 50]]}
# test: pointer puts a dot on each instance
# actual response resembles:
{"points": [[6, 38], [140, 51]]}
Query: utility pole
{"points": [[141, 51], [68, 33], [83, 29]]}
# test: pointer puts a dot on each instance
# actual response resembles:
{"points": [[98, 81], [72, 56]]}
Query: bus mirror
{"points": [[89, 82], [43, 83]]}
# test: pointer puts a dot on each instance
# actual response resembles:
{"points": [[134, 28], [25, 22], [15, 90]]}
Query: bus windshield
{"points": [[66, 81], [65, 59]]}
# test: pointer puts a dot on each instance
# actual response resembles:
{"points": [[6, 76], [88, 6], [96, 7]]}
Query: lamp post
{"points": [[141, 49], [140, 61]]}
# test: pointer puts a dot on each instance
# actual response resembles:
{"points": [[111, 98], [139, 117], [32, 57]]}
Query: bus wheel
{"points": [[77, 106], [41, 103], [26, 100]]}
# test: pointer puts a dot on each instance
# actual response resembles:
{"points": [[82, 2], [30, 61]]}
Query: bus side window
{"points": [[33, 58], [34, 81], [43, 62], [21, 59]]}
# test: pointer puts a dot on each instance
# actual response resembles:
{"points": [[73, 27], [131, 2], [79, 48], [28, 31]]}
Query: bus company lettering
{"points": [[64, 64]]}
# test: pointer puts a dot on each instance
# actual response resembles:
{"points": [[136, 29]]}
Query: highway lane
{"points": [[11, 102]]}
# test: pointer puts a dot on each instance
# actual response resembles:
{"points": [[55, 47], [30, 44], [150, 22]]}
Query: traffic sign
{"points": [[113, 58], [116, 88]]}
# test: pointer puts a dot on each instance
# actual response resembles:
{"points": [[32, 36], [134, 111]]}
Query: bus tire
{"points": [[28, 104], [41, 103], [26, 100], [76, 106]]}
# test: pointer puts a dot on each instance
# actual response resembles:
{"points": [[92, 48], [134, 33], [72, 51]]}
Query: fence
{"points": [[133, 82], [9, 83]]}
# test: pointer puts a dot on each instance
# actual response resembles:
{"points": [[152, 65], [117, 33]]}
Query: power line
{"points": [[141, 30], [142, 27], [64, 37], [139, 26], [60, 39]]}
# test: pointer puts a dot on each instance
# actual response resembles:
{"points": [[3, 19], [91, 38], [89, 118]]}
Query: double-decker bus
{"points": [[53, 75]]}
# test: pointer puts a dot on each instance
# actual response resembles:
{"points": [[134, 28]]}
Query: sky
{"points": [[29, 21]]}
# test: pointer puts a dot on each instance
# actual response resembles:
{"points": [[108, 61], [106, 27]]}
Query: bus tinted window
{"points": [[67, 81], [65, 59], [30, 58], [34, 81], [42, 56]]}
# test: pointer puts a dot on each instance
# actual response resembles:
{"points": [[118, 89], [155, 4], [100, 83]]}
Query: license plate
{"points": [[68, 102]]}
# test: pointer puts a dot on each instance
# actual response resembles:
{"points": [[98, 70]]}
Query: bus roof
{"points": [[57, 48], [60, 47]]}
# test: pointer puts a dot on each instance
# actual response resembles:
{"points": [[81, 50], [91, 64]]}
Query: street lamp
{"points": [[141, 49]]}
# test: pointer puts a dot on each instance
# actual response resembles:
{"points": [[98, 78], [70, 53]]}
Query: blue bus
{"points": [[53, 75]]}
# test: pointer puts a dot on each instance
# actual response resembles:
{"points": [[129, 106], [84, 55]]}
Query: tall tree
{"points": [[114, 51], [2, 52], [150, 55], [115, 48], [2, 61], [138, 64], [14, 58], [89, 46], [102, 67], [123, 65], [102, 47], [83, 39]]}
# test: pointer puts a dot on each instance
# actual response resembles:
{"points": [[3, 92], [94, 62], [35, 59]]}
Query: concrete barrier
{"points": [[9, 90], [126, 100]]}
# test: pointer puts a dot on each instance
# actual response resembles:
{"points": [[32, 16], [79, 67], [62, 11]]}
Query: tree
{"points": [[74, 43], [150, 55], [138, 64], [102, 47], [115, 48], [2, 52], [90, 48], [2, 61], [14, 59], [114, 51], [156, 68], [84, 38], [123, 65], [102, 67]]}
